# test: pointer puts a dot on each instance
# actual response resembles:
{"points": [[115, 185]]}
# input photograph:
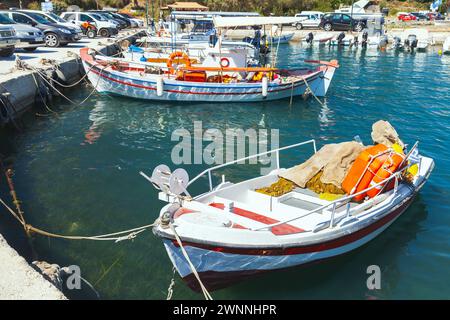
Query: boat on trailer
{"points": [[231, 231]]}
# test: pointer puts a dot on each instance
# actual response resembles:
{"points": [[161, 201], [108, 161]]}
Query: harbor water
{"points": [[77, 173]]}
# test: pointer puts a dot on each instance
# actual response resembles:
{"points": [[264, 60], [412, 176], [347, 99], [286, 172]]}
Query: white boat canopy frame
{"points": [[231, 22]]}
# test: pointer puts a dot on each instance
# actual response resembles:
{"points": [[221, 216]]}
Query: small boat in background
{"points": [[446, 46], [281, 39], [342, 40], [319, 39], [417, 39]]}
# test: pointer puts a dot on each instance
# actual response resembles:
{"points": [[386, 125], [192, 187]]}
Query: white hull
{"points": [[225, 235], [134, 85], [446, 45]]}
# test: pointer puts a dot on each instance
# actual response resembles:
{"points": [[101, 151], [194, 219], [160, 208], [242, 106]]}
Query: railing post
{"points": [[210, 181], [278, 159], [396, 184], [332, 215], [314, 145]]}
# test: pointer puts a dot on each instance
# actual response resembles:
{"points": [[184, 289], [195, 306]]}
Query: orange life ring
{"points": [[178, 54], [226, 64]]}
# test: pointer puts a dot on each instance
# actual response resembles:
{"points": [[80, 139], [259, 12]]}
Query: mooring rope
{"points": [[125, 234], [22, 65], [312, 92], [171, 285], [194, 271]]}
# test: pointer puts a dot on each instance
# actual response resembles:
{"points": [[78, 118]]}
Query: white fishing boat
{"points": [[317, 40], [222, 77], [446, 46], [342, 39], [204, 83], [281, 39], [422, 37], [199, 51], [232, 231]]}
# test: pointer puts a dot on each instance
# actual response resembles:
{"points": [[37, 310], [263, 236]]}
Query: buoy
{"points": [[265, 85], [440, 52], [159, 86]]}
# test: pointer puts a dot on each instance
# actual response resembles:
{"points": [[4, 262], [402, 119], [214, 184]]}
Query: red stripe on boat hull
{"points": [[331, 244], [130, 84], [214, 280]]}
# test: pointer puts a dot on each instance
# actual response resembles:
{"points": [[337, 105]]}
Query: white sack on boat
{"points": [[334, 159], [383, 132]]}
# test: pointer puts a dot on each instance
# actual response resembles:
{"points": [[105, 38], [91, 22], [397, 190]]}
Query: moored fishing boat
{"points": [[204, 83], [233, 231], [446, 46]]}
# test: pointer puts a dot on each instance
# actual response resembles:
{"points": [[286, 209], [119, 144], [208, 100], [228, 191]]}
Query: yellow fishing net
{"points": [[326, 191], [276, 189], [319, 187]]}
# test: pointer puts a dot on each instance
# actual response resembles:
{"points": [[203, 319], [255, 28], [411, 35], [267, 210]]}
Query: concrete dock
{"points": [[19, 281], [19, 86]]}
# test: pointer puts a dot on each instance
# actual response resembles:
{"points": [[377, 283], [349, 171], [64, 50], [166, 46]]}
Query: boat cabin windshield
{"points": [[203, 26]]}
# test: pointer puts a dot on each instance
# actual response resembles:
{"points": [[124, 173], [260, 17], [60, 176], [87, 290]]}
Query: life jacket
{"points": [[389, 167], [364, 169]]}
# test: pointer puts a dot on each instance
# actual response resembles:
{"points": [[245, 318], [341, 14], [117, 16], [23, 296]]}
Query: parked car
{"points": [[341, 22], [7, 41], [120, 23], [29, 38], [406, 17], [50, 16], [55, 35], [105, 28], [129, 22], [139, 22], [420, 16], [310, 19], [435, 16]]}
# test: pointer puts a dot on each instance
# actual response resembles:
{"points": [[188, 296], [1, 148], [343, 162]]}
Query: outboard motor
{"points": [[383, 41], [365, 36], [340, 38], [355, 41], [397, 43], [309, 38], [411, 42]]}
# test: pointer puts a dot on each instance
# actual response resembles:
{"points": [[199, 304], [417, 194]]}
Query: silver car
{"points": [[29, 38], [8, 41]]}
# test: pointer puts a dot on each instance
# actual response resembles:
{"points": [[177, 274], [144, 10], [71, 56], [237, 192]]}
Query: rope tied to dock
{"points": [[130, 234]]}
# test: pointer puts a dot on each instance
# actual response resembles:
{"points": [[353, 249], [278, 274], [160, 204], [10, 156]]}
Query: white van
{"points": [[308, 19], [104, 26]]}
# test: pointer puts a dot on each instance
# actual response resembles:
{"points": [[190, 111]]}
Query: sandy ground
{"points": [[19, 281]]}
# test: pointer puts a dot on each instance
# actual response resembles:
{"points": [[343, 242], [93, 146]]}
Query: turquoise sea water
{"points": [[78, 174]]}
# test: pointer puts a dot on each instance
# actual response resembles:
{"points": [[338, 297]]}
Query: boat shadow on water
{"points": [[314, 280]]}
